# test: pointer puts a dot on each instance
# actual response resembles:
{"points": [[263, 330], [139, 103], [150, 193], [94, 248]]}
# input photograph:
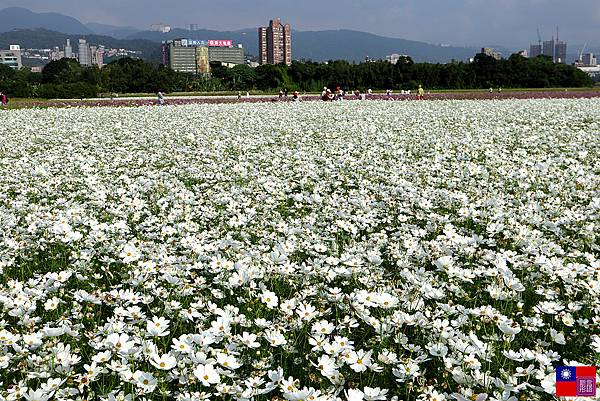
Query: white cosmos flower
{"points": [[163, 362], [130, 253], [299, 394], [158, 326], [354, 395], [52, 303], [438, 350], [375, 394], [270, 299], [53, 331], [249, 340], [360, 360], [37, 395], [596, 344], [509, 327], [33, 340], [145, 381], [327, 366], [227, 361], [557, 337], [323, 327], [121, 343], [207, 374], [275, 338], [444, 263]]}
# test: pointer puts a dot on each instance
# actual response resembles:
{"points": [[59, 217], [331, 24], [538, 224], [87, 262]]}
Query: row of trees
{"points": [[483, 72], [67, 79]]}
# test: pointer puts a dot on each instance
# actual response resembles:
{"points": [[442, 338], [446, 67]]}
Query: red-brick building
{"points": [[275, 43]]}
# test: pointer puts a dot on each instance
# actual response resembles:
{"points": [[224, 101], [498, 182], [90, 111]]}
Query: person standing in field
{"points": [[3, 99], [161, 98], [420, 93]]}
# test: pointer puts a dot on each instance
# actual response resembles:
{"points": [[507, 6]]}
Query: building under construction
{"points": [[554, 48]]}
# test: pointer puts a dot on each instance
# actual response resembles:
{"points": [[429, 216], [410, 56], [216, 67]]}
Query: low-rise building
{"points": [[179, 56], [12, 57], [593, 72], [227, 54], [589, 60], [195, 56], [393, 58], [488, 51]]}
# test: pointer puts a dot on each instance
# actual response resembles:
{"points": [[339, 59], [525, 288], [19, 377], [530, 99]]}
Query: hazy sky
{"points": [[466, 22]]}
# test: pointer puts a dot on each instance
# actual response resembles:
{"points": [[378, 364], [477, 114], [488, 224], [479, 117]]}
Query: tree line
{"points": [[484, 72], [67, 79]]}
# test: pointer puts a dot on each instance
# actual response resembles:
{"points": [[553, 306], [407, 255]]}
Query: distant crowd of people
{"points": [[327, 95], [339, 94]]}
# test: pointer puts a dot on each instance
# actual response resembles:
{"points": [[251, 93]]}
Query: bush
{"points": [[77, 90]]}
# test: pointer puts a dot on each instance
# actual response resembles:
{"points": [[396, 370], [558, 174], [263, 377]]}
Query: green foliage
{"points": [[67, 79], [75, 90], [62, 71]]}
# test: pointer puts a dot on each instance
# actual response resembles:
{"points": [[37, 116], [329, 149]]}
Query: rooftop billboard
{"points": [[220, 43]]}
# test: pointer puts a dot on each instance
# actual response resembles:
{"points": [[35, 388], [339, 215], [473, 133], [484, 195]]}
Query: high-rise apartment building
{"points": [[84, 52], [262, 45], [535, 50], [588, 59], [548, 48], [97, 56], [560, 52], [275, 43], [555, 49], [68, 49]]}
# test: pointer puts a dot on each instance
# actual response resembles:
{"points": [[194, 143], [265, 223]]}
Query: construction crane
{"points": [[581, 52], [539, 37]]}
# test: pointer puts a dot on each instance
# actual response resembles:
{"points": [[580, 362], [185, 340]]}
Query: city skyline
{"points": [[461, 22]]}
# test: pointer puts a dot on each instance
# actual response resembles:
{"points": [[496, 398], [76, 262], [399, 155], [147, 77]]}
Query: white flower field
{"points": [[443, 250]]}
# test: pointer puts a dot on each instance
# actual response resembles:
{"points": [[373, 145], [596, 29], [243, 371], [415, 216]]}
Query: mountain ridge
{"points": [[22, 18], [45, 39], [117, 32], [325, 45], [322, 45], [350, 45]]}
